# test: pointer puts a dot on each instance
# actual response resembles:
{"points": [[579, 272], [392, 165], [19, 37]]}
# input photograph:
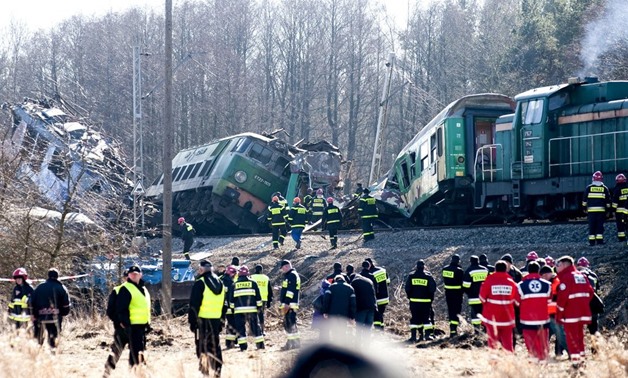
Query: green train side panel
{"points": [[504, 137]]}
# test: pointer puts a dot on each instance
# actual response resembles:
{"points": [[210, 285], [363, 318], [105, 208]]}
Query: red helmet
{"points": [[532, 255], [243, 271], [330, 200], [597, 176], [620, 178], [319, 192], [181, 220], [296, 200], [20, 273], [231, 270], [549, 261], [583, 262]]}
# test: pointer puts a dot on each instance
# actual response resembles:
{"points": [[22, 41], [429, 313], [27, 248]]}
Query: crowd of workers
{"points": [[599, 202]]}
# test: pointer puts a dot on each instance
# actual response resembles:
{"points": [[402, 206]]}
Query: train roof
{"points": [[540, 92], [587, 91], [248, 134], [457, 108]]}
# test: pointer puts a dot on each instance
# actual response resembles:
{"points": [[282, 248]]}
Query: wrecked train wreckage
{"points": [[72, 165], [224, 187]]}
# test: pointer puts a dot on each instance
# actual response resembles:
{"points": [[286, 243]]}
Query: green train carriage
{"points": [[548, 149], [431, 181]]}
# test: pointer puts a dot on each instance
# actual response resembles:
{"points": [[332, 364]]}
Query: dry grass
{"points": [[84, 348]]}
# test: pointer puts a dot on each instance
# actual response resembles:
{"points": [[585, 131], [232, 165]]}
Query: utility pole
{"points": [[138, 143], [166, 280], [381, 123]]}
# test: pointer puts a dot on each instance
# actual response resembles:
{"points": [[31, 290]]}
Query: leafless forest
{"points": [[314, 68]]}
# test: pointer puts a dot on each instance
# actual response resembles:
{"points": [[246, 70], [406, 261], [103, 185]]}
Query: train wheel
{"points": [[448, 217]]}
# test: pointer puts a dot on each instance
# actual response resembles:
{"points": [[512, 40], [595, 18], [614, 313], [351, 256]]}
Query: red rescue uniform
{"points": [[498, 295]]}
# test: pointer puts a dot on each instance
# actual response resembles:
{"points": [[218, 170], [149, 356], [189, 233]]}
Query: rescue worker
{"points": [[337, 270], [277, 215], [555, 328], [596, 200], [358, 190], [227, 281], [349, 273], [339, 303], [381, 291], [498, 295], [532, 256], [120, 337], [50, 303], [534, 295], [265, 290], [187, 235], [471, 283], [318, 207], [620, 205], [307, 199], [205, 317], [572, 303], [549, 261], [19, 307], [584, 267], [133, 313], [289, 304], [332, 220], [297, 216], [484, 262], [452, 279], [366, 304], [420, 288], [517, 276], [245, 301], [368, 214]]}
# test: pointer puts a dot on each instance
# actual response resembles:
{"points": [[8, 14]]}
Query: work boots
{"points": [[429, 334], [412, 338]]}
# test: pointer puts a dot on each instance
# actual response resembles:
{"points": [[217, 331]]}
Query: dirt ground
{"points": [[85, 342]]}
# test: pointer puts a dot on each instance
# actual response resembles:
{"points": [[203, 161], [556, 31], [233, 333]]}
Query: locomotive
{"points": [[488, 157], [224, 186]]}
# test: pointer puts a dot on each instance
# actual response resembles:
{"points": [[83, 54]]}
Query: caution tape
{"points": [[42, 279]]}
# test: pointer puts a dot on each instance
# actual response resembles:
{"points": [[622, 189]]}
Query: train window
{"points": [[433, 148], [282, 166], [439, 140], [158, 180], [412, 164], [260, 153], [220, 146], [424, 156], [206, 167], [532, 111], [241, 145], [188, 170], [179, 174], [558, 101], [404, 173], [197, 166], [175, 173]]}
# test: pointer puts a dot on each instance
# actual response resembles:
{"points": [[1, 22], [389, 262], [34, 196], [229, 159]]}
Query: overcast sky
{"points": [[46, 13]]}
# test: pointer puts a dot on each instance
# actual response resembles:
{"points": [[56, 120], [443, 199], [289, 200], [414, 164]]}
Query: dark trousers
{"points": [[379, 316], [120, 340], [230, 339], [333, 235], [260, 316], [621, 220], [187, 245], [476, 310], [137, 343], [596, 227], [292, 332], [240, 323], [454, 308], [593, 326], [53, 327], [420, 316], [279, 235], [367, 229], [207, 339]]}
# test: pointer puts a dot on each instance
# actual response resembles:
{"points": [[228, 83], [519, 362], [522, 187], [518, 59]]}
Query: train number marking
{"points": [[265, 182]]}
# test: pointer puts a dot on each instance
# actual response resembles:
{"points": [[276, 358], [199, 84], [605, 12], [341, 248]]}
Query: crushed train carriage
{"points": [[485, 157], [224, 186], [65, 157]]}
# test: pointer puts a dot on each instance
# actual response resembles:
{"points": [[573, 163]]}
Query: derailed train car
{"points": [[466, 165], [224, 186], [65, 157]]}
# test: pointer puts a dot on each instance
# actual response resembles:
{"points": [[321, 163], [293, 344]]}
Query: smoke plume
{"points": [[603, 34]]}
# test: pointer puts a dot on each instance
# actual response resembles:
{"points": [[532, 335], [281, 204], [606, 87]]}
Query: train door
{"points": [[532, 137], [484, 131]]}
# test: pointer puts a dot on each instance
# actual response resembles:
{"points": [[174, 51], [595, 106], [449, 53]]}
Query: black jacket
{"points": [[452, 278], [196, 297], [368, 275], [187, 231], [364, 293], [123, 300], [340, 300], [50, 299], [420, 285]]}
